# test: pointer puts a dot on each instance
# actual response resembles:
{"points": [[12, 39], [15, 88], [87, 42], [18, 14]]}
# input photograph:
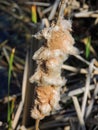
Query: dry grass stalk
{"points": [[79, 113], [89, 75], [50, 58]]}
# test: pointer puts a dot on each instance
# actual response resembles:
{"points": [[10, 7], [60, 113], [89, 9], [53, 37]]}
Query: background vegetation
{"points": [[19, 20]]}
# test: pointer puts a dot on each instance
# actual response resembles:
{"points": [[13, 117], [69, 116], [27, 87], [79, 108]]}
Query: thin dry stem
{"points": [[79, 113], [20, 107], [87, 88], [89, 109], [54, 8], [62, 7], [37, 124]]}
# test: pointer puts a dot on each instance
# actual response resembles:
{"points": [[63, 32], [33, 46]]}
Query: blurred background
{"points": [[19, 20]]}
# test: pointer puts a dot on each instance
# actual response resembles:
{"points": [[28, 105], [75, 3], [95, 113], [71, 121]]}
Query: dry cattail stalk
{"points": [[50, 58]]}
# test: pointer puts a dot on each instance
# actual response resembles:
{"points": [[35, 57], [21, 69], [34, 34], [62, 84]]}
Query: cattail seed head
{"points": [[47, 98], [49, 59]]}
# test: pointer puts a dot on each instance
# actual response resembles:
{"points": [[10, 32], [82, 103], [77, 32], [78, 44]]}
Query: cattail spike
{"points": [[49, 59]]}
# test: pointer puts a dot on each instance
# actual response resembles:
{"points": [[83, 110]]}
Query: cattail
{"points": [[49, 59], [47, 98]]}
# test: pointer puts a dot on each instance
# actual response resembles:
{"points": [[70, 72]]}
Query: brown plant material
{"points": [[50, 58], [47, 98]]}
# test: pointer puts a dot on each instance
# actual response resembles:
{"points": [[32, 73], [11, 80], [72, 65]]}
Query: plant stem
{"points": [[9, 80]]}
